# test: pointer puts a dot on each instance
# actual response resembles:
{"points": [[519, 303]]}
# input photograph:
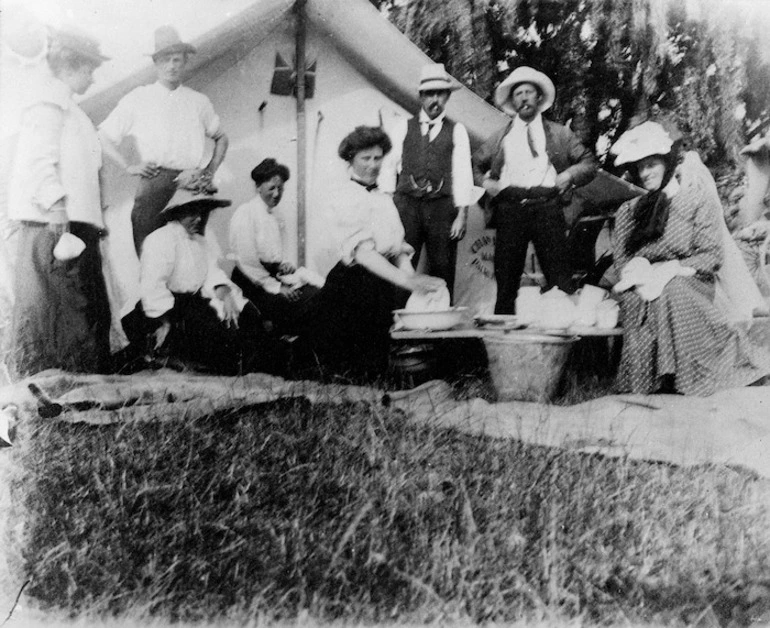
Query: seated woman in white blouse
{"points": [[264, 274], [348, 332], [189, 310]]}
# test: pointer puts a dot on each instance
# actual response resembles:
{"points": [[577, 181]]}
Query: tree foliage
{"points": [[614, 62]]}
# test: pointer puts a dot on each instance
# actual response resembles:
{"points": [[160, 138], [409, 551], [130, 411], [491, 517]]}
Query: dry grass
{"points": [[351, 514]]}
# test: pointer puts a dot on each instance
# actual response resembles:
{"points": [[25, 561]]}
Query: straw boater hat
{"points": [[79, 42], [524, 74], [168, 41], [434, 76], [649, 138], [187, 201]]}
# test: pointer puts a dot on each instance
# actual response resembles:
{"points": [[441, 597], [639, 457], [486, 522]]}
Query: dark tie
{"points": [[427, 126], [531, 142]]}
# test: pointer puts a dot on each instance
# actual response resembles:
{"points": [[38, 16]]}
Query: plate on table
{"points": [[431, 321], [499, 321]]}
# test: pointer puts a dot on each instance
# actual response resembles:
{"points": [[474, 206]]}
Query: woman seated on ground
{"points": [[348, 332], [668, 250], [189, 313], [280, 291]]}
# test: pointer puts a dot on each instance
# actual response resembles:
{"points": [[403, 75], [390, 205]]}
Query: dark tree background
{"points": [[614, 62]]}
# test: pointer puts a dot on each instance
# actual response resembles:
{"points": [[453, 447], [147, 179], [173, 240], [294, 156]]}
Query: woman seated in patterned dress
{"points": [[268, 279], [667, 249], [189, 312], [348, 332]]}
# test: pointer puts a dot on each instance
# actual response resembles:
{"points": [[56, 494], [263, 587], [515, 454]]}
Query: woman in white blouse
{"points": [[61, 317], [188, 309], [264, 274], [348, 332]]}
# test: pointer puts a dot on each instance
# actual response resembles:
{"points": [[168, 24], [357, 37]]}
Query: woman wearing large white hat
{"points": [[667, 249]]}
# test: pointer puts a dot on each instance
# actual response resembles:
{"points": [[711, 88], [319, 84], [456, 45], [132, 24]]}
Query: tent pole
{"points": [[299, 8]]}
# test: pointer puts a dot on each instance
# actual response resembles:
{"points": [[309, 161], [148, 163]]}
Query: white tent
{"points": [[359, 70]]}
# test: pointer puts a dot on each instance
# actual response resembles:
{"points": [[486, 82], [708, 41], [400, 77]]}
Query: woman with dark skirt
{"points": [[189, 313], [668, 251], [264, 274], [347, 333]]}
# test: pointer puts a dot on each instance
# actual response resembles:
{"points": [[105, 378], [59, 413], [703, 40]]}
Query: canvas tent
{"points": [[359, 69]]}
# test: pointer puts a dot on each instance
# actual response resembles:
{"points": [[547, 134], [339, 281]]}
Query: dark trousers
{"points": [[429, 221], [152, 195], [61, 317], [541, 223]]}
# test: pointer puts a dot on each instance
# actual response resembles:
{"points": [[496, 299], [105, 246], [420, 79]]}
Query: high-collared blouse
{"points": [[173, 261], [58, 159], [358, 216], [256, 236]]}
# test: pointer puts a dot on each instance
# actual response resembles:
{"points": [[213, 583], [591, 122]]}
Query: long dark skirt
{"points": [[283, 313], [347, 332], [198, 337], [61, 317]]}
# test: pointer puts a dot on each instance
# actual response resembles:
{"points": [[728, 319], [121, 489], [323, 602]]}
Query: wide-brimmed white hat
{"points": [[649, 138], [434, 76], [524, 74]]}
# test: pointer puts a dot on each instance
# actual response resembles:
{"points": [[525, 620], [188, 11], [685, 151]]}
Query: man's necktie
{"points": [[531, 142], [427, 126]]}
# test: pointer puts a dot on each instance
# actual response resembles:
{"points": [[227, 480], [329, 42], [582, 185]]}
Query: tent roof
{"points": [[363, 36]]}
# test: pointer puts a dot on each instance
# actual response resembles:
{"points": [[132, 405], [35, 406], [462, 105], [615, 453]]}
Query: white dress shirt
{"points": [[521, 168], [174, 261], [462, 171], [170, 126], [256, 236], [58, 157]]}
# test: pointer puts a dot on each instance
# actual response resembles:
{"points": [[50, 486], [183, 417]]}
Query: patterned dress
{"points": [[681, 333]]}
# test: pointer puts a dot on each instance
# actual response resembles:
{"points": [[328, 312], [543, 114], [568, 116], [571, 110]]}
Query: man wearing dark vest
{"points": [[433, 177], [528, 169]]}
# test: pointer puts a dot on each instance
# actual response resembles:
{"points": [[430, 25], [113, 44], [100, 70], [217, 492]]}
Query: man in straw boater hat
{"points": [[432, 164], [188, 309], [528, 169], [171, 124]]}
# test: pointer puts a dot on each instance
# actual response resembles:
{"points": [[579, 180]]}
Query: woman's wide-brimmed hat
{"points": [[645, 140], [187, 201], [168, 41], [524, 74], [434, 77], [79, 42]]}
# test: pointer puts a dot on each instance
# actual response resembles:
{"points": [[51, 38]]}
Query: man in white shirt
{"points": [[170, 124], [432, 177], [528, 170]]}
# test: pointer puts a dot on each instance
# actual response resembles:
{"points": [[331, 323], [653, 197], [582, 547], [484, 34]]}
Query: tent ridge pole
{"points": [[300, 42]]}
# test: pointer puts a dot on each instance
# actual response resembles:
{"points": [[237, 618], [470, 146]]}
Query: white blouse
{"points": [[174, 261], [256, 236], [359, 216]]}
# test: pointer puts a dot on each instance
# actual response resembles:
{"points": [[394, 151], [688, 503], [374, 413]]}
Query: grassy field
{"points": [[291, 511]]}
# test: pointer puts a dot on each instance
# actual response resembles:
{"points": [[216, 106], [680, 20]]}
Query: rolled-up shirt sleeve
{"points": [[462, 171], [157, 261], [349, 245], [42, 129]]}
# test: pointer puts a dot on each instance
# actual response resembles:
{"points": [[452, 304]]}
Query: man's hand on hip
{"points": [[146, 169]]}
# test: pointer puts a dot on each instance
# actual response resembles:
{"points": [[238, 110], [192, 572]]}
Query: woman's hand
{"points": [[286, 268], [425, 283], [292, 294], [160, 334], [230, 308]]}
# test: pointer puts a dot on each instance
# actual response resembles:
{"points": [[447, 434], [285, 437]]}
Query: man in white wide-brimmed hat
{"points": [[170, 123], [431, 176], [528, 170]]}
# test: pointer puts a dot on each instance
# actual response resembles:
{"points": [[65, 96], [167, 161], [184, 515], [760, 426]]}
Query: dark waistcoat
{"points": [[426, 167]]}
